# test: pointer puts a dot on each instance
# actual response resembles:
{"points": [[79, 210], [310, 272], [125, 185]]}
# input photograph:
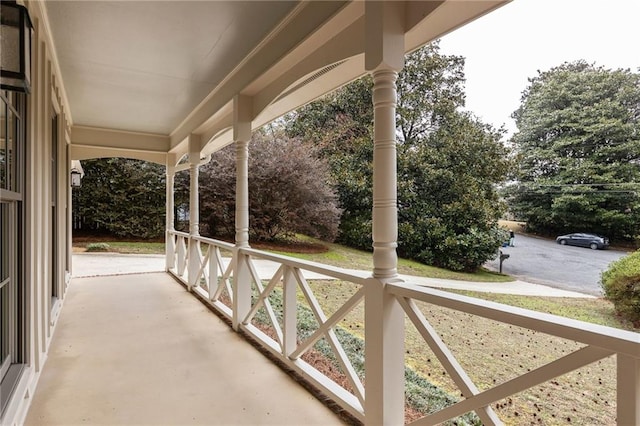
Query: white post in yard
{"points": [[169, 241], [242, 111], [194, 211], [384, 318]]}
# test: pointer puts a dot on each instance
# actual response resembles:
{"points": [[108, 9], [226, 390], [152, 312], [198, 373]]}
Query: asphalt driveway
{"points": [[544, 261]]}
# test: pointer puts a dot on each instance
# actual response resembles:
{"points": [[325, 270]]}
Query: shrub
{"points": [[288, 191], [621, 285], [98, 247]]}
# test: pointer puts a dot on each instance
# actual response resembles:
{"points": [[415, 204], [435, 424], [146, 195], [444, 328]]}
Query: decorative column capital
{"points": [[242, 117], [384, 35]]}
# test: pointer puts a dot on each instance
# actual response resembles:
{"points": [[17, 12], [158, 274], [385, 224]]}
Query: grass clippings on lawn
{"points": [[492, 353]]}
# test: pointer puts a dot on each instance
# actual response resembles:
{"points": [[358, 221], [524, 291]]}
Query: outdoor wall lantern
{"points": [[15, 45], [76, 178]]}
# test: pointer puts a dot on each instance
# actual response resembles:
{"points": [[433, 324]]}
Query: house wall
{"points": [[46, 261]]}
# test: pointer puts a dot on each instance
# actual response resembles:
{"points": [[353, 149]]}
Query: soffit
{"points": [[143, 66]]}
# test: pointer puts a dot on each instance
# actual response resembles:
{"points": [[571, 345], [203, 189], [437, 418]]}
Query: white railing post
{"points": [[628, 389], [242, 111], [194, 211], [181, 251], [169, 240], [384, 318], [290, 320], [213, 270]]}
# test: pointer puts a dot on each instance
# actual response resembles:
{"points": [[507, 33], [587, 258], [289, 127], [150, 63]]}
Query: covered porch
{"points": [[171, 83], [138, 349], [149, 348]]}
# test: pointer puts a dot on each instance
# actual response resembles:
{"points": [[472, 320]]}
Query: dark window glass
{"points": [[3, 145]]}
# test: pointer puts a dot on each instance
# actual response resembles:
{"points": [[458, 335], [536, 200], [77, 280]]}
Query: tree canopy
{"points": [[448, 163], [578, 142]]}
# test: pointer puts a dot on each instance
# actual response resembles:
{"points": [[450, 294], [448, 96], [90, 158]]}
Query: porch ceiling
{"points": [[143, 66], [170, 69]]}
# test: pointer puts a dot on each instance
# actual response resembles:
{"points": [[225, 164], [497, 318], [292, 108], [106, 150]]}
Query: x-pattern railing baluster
{"points": [[202, 270], [212, 271], [183, 256], [172, 243], [560, 366], [329, 323], [326, 325], [480, 401], [263, 299], [446, 358], [224, 280]]}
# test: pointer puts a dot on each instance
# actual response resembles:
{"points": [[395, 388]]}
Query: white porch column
{"points": [[628, 390], [241, 136], [385, 203], [194, 210], [384, 318], [170, 249], [242, 111]]}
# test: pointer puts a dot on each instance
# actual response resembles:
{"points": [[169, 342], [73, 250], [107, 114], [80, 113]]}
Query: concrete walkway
{"points": [[140, 350], [97, 264], [100, 264]]}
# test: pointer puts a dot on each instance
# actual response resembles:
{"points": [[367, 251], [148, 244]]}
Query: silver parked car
{"points": [[592, 241]]}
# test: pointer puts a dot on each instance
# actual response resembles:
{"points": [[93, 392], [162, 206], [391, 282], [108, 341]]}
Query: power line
{"points": [[564, 185], [605, 192]]}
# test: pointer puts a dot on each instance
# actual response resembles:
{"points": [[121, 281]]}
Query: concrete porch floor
{"points": [[138, 349]]}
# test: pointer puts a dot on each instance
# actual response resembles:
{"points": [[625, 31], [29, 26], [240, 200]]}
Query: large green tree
{"points": [[448, 203], [121, 197], [448, 163], [578, 141]]}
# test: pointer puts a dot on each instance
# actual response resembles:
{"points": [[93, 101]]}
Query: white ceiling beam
{"points": [[117, 139], [289, 34], [86, 152], [343, 46]]}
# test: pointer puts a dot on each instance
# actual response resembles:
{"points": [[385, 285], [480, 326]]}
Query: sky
{"points": [[509, 45]]}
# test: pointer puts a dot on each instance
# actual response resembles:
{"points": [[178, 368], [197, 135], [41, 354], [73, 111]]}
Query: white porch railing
{"points": [[214, 281]]}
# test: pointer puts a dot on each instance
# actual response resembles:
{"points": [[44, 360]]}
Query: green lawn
{"points": [[125, 247], [349, 258]]}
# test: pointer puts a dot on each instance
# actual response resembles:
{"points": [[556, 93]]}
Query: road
{"points": [[543, 261]]}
